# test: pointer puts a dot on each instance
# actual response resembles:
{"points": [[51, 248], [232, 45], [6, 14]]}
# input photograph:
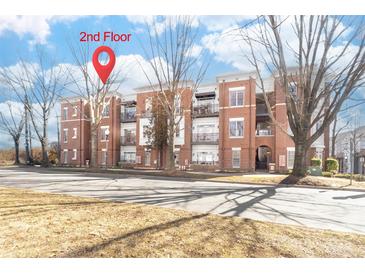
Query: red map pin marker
{"points": [[104, 70]]}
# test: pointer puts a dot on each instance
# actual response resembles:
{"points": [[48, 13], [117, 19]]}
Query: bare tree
{"points": [[335, 132], [176, 68], [13, 125], [97, 95], [37, 86], [157, 131], [355, 137], [321, 81]]}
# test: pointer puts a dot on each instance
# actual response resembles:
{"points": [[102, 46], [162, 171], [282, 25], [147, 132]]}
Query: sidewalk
{"points": [[225, 177]]}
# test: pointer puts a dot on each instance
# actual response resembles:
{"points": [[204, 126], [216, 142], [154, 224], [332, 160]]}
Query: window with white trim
{"points": [[236, 97], [236, 158], [236, 127], [293, 90], [65, 135], [74, 114], [74, 154], [74, 136], [64, 115], [65, 156], [104, 135], [106, 111], [103, 156], [129, 157], [290, 157]]}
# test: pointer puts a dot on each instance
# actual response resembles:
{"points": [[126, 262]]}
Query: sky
{"points": [[20, 35]]}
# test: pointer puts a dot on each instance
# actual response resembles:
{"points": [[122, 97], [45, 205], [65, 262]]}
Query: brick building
{"points": [[224, 126]]}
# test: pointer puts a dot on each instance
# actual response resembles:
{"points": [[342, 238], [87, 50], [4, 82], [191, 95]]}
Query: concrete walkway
{"points": [[318, 208]]}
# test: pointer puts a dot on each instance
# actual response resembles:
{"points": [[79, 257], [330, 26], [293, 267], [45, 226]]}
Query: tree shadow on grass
{"points": [[89, 250]]}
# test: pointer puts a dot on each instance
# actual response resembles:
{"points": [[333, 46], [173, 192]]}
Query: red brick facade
{"points": [[246, 140]]}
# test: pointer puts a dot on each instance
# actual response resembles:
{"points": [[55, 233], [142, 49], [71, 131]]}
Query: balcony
{"points": [[264, 132], [205, 138], [128, 140], [127, 160], [205, 162], [128, 117], [261, 110], [207, 110]]}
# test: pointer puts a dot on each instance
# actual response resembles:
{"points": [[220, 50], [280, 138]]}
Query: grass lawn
{"points": [[277, 179], [35, 224]]}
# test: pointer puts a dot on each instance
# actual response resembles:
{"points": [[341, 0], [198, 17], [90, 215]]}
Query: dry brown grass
{"points": [[276, 179], [34, 224]]}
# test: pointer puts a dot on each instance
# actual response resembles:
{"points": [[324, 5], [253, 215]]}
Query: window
{"points": [[236, 97], [74, 133], [64, 113], [103, 156], [74, 154], [292, 88], [104, 133], [106, 111], [177, 130], [65, 135], [74, 114], [291, 156], [145, 131], [236, 128], [236, 158], [65, 156], [129, 157], [205, 158], [148, 104]]}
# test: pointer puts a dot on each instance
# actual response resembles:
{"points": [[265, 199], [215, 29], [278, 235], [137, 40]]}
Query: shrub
{"points": [[356, 177], [332, 165], [316, 161], [327, 174]]}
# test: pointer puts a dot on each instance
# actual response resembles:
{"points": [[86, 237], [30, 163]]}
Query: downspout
{"points": [[250, 131], [223, 122], [80, 134]]}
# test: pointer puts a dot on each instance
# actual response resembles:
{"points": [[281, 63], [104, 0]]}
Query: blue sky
{"points": [[19, 35]]}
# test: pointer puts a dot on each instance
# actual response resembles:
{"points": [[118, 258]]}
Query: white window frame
{"points": [[65, 110], [65, 159], [234, 92], [104, 128], [243, 127], [235, 150], [103, 114], [74, 154], [65, 135], [103, 152], [288, 159], [74, 130], [74, 114]]}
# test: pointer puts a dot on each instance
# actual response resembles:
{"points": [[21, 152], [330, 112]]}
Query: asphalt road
{"points": [[339, 210]]}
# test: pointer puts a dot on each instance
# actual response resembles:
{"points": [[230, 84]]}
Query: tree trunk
{"points": [[333, 147], [44, 145], [16, 145], [300, 159], [94, 147], [28, 158], [170, 165]]}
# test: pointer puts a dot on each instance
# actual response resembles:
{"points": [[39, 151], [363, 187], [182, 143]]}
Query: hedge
{"points": [[316, 161], [332, 165]]}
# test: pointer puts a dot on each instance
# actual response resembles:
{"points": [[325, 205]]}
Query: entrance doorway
{"points": [[263, 158], [147, 158]]}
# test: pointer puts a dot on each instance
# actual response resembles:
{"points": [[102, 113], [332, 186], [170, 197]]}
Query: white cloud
{"points": [[222, 22], [39, 27], [227, 45]]}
